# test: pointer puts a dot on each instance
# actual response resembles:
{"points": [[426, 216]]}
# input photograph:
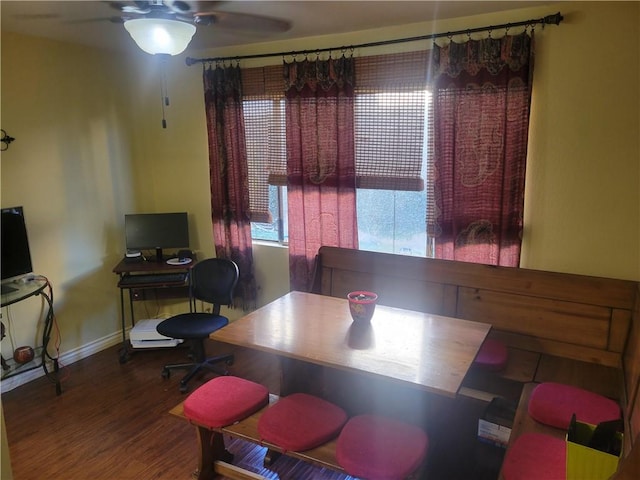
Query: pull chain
{"points": [[164, 91]]}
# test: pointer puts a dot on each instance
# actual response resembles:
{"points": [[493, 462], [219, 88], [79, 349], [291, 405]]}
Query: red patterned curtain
{"points": [[481, 98], [321, 181], [229, 176]]}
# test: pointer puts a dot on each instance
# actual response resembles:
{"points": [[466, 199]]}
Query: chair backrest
{"points": [[213, 281]]}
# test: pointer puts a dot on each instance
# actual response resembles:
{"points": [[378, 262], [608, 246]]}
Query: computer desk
{"points": [[167, 281]]}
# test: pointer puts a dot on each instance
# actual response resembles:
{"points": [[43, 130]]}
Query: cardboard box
{"points": [[495, 425], [585, 463]]}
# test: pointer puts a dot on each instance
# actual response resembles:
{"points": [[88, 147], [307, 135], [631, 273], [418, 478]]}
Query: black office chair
{"points": [[212, 281]]}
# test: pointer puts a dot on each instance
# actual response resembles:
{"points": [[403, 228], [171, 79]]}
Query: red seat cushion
{"points": [[535, 456], [493, 355], [224, 401], [554, 404], [299, 422], [380, 448]]}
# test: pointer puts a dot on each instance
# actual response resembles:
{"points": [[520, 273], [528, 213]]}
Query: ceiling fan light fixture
{"points": [[160, 35]]}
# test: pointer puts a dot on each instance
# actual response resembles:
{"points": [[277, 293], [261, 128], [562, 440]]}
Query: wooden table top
{"points": [[430, 352]]}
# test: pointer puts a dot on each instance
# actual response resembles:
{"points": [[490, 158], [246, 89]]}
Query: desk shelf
{"points": [[140, 294]]}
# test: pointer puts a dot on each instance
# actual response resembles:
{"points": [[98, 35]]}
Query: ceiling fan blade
{"points": [[35, 16], [113, 19], [242, 21]]}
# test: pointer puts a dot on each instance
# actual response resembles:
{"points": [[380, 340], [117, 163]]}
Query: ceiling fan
{"points": [[167, 26]]}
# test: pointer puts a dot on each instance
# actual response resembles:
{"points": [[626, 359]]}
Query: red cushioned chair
{"points": [[224, 401], [300, 422], [535, 456], [381, 448], [554, 403], [492, 356]]}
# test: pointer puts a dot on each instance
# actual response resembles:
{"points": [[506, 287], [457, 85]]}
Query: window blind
{"points": [[263, 105], [390, 116], [390, 120]]}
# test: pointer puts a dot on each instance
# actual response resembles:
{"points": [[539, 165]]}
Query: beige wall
{"points": [[582, 210], [90, 148], [70, 168]]}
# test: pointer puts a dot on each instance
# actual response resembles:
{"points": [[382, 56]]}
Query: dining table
{"points": [[431, 353]]}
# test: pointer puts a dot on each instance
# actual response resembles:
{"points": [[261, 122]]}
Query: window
{"points": [[265, 133], [390, 119], [277, 229]]}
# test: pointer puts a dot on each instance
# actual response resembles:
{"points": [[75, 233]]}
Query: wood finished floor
{"points": [[112, 422]]}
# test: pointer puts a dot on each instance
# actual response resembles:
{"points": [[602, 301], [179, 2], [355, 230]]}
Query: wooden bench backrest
{"points": [[631, 369], [574, 316]]}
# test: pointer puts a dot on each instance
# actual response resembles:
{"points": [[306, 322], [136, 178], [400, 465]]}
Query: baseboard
{"points": [[67, 358]]}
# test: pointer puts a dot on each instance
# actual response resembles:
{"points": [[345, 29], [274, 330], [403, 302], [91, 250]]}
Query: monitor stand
{"points": [[158, 258]]}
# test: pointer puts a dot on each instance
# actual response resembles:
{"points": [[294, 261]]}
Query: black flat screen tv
{"points": [[157, 231], [16, 256]]}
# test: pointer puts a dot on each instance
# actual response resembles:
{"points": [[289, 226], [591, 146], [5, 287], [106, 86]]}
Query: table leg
{"points": [[297, 376], [56, 371], [124, 350]]}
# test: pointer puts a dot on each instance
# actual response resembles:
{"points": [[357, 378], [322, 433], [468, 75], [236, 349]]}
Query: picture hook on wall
{"points": [[6, 140]]}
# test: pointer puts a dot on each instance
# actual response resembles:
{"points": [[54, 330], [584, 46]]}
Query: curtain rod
{"points": [[554, 19]]}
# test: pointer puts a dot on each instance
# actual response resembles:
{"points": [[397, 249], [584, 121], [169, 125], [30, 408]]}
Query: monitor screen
{"points": [[16, 256], [145, 231]]}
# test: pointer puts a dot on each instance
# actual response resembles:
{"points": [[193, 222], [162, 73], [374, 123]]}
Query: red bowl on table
{"points": [[362, 304]]}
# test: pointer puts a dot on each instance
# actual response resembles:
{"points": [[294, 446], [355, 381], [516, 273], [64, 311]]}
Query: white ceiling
{"points": [[87, 22]]}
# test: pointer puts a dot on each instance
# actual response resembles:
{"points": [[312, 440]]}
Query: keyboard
{"points": [[159, 280]]}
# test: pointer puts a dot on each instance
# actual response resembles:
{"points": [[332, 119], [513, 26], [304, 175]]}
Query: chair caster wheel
{"points": [[183, 388], [166, 373]]}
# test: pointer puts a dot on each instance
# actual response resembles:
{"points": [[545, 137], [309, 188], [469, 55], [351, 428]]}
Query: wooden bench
{"points": [[212, 453], [628, 377], [561, 327], [524, 423]]}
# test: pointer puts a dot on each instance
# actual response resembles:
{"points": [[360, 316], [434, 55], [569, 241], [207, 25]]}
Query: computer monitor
{"points": [[16, 256], [146, 231]]}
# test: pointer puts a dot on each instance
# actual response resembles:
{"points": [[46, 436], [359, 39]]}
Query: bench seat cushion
{"points": [[224, 401], [492, 356], [554, 403], [300, 422], [380, 448], [535, 456]]}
